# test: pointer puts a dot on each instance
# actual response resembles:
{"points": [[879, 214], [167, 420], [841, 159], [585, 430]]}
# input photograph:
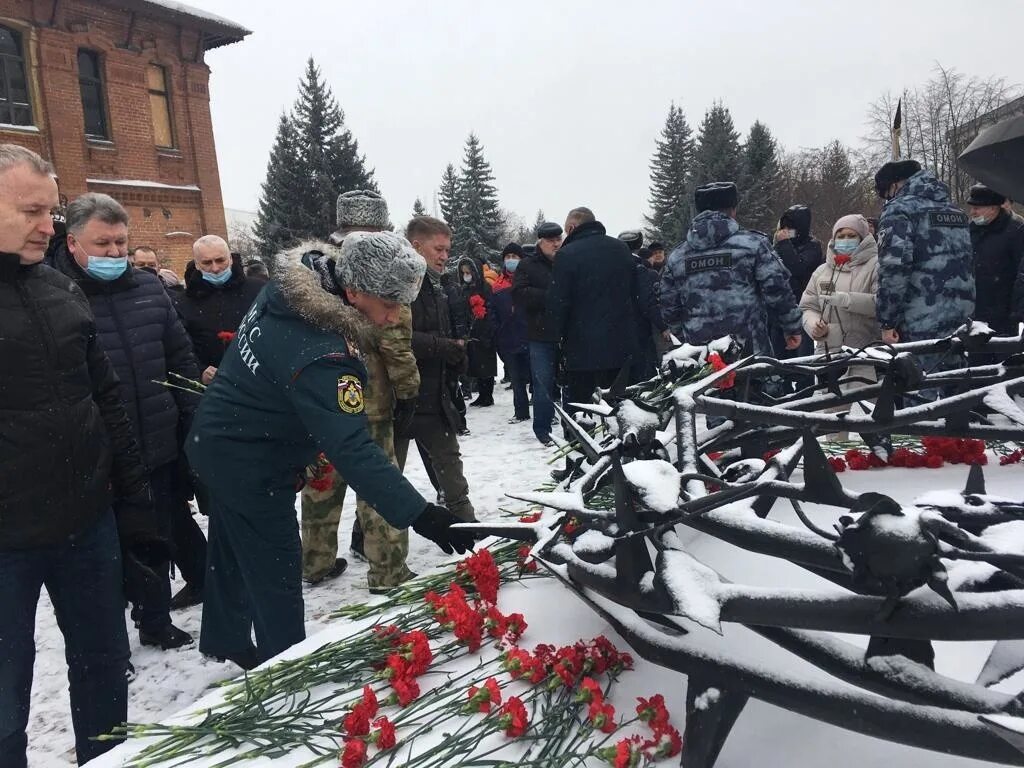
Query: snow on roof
{"points": [[144, 183], [197, 13]]}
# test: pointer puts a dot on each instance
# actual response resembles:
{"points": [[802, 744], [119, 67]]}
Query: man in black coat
{"points": [[998, 240], [440, 357], [217, 295], [530, 286], [801, 252], [74, 483], [590, 306], [141, 334]]}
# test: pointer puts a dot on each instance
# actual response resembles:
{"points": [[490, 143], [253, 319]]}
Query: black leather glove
{"points": [[451, 352], [435, 523], [404, 411]]}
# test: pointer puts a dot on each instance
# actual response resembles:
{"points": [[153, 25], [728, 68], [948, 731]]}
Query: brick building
{"points": [[115, 93]]}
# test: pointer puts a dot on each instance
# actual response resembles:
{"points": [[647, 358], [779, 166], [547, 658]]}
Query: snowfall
{"points": [[501, 458]]}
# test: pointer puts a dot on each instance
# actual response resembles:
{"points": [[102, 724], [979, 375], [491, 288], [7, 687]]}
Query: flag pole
{"points": [[897, 130]]}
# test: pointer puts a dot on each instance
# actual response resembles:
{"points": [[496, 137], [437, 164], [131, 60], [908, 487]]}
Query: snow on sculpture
{"points": [[948, 567]]}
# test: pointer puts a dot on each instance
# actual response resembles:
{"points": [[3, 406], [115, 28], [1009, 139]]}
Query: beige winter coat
{"points": [[854, 326]]}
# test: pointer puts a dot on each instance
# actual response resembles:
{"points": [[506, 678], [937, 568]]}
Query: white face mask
{"points": [[467, 279], [981, 221]]}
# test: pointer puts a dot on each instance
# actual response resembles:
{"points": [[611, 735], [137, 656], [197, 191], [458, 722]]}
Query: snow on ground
{"points": [[500, 457]]}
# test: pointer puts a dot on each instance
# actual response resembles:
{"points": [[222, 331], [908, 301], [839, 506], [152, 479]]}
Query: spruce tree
{"points": [[671, 167], [479, 223], [538, 221], [329, 155], [448, 196], [418, 209], [280, 223], [717, 155], [759, 181]]}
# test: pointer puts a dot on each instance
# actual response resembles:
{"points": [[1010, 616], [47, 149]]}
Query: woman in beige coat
{"points": [[838, 304]]}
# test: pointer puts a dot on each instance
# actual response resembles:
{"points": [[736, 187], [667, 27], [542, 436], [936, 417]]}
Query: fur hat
{"points": [[633, 238], [381, 264], [362, 208], [982, 195], [893, 171], [853, 221], [716, 196]]}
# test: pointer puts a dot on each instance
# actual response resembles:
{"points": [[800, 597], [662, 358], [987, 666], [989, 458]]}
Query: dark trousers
{"points": [[582, 384], [543, 370], [149, 591], [517, 369], [83, 580], [485, 389], [438, 440], [253, 576], [189, 545]]}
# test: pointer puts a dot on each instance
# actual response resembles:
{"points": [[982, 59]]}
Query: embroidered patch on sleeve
{"points": [[350, 394]]}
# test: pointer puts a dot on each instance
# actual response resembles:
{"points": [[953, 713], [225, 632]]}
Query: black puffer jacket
{"points": [[477, 296], [65, 437], [998, 258], [141, 334], [530, 294], [208, 310], [801, 254], [431, 333]]}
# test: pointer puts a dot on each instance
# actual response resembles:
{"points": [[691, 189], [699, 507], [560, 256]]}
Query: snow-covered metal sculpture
{"points": [[642, 469]]}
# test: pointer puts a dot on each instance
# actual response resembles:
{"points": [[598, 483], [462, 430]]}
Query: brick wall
{"points": [[166, 218]]}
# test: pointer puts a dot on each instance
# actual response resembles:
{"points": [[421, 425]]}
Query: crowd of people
{"points": [[129, 392]]}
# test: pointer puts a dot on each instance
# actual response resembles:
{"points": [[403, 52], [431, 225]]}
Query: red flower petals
{"points": [[513, 717], [354, 754], [384, 736]]}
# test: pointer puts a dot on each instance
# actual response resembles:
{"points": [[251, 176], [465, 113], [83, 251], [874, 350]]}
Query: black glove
{"points": [[136, 517], [450, 351], [404, 411], [435, 523]]}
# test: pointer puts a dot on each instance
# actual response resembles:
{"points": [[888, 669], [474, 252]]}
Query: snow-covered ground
{"points": [[500, 457]]}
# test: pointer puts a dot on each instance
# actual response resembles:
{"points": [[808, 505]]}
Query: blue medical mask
{"points": [[106, 268], [511, 264], [216, 279], [845, 245]]}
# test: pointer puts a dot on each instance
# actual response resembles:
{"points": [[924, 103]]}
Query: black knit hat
{"points": [[893, 171], [548, 229], [982, 195], [656, 246], [513, 248], [716, 196]]}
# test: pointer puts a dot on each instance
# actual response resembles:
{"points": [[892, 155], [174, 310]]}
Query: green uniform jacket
{"points": [[290, 386]]}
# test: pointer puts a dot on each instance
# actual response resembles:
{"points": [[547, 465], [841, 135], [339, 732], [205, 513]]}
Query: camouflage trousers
{"points": [[386, 548]]}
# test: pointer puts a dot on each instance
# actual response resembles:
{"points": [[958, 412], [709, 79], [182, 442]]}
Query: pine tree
{"points": [[538, 221], [670, 170], [329, 155], [448, 196], [478, 223], [717, 155], [279, 224], [418, 209], [759, 186]]}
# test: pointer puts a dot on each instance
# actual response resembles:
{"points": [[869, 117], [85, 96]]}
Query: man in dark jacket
{"points": [[801, 252], [290, 388], [512, 343], [217, 295], [590, 306], [68, 457], [530, 293], [440, 358], [141, 334], [998, 241], [650, 328]]}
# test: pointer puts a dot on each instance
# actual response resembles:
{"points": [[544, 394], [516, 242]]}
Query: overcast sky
{"points": [[568, 97]]}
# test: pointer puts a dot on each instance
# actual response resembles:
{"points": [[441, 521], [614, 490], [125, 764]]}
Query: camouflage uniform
{"points": [[925, 262], [726, 280], [392, 373]]}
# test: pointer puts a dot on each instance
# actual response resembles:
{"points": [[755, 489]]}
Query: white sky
{"points": [[568, 97]]}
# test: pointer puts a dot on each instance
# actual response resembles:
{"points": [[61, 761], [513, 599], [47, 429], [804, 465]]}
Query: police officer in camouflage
{"points": [[290, 387], [925, 265], [724, 280], [390, 394]]}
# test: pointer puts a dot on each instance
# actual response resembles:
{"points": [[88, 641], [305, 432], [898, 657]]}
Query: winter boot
{"points": [[340, 565], [385, 590], [356, 543], [166, 639], [186, 597]]}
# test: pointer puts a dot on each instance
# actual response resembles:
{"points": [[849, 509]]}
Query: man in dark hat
{"points": [[998, 240], [726, 280], [926, 277], [801, 252]]}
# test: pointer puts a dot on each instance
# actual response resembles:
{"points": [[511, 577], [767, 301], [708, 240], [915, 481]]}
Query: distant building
{"points": [[115, 93]]}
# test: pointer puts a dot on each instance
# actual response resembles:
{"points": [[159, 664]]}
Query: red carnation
{"points": [[842, 259], [571, 526], [514, 718], [384, 736], [652, 710], [602, 716], [416, 650], [718, 364], [666, 742], [226, 336], [590, 691], [407, 690], [477, 306], [837, 464], [357, 722], [369, 701], [354, 755], [526, 563], [533, 517], [482, 698], [483, 572]]}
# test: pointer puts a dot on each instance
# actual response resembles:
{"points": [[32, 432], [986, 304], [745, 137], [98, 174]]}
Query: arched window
{"points": [[14, 105], [90, 84]]}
